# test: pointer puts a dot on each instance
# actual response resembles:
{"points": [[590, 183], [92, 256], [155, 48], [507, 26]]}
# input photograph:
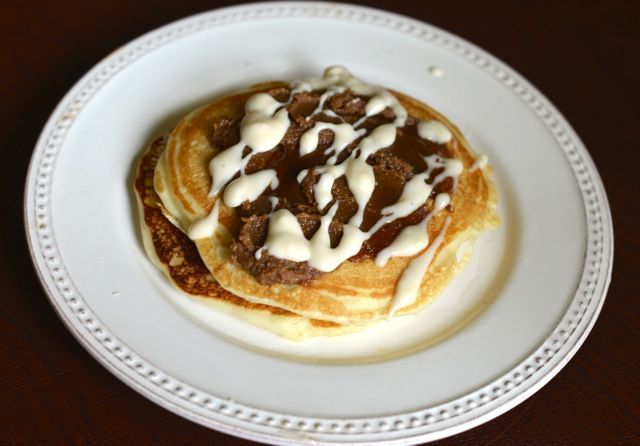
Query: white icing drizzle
{"points": [[381, 137], [286, 239], [361, 181], [434, 131], [408, 286], [343, 135], [322, 189], [301, 175], [411, 240], [359, 176], [261, 130], [323, 256], [265, 123], [441, 202], [414, 195], [326, 95], [249, 187], [335, 77], [479, 163], [379, 102], [224, 166], [206, 226], [452, 168]]}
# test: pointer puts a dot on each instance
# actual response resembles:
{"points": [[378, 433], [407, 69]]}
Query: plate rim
{"points": [[426, 424]]}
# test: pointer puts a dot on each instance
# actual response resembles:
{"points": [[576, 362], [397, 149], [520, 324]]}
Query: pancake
{"points": [[177, 256], [458, 197]]}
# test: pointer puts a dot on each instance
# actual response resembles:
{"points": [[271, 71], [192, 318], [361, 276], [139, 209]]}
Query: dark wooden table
{"points": [[583, 56]]}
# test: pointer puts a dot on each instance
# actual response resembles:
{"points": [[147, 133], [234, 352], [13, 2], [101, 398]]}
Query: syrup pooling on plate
{"points": [[263, 127]]}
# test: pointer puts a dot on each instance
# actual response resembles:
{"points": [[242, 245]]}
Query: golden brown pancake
{"points": [[177, 256], [356, 293]]}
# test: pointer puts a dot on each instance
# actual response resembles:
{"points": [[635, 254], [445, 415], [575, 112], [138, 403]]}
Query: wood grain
{"points": [[583, 56]]}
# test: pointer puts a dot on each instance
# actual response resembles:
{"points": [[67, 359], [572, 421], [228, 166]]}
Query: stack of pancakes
{"points": [[174, 190]]}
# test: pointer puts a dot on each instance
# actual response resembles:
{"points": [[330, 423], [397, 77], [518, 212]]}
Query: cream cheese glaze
{"points": [[409, 283], [249, 187], [205, 227], [480, 163], [264, 125], [434, 131]]}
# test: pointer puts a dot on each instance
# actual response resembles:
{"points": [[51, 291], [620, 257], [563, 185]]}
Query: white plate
{"points": [[542, 277]]}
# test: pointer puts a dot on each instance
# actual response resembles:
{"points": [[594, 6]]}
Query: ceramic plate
{"points": [[507, 326]]}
